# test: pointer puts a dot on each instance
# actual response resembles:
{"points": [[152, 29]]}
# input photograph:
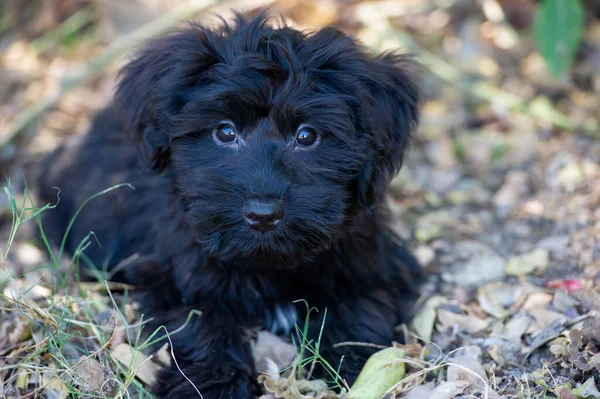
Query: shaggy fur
{"points": [[188, 215]]}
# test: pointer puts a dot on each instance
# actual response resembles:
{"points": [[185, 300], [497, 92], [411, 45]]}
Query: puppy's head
{"points": [[275, 138]]}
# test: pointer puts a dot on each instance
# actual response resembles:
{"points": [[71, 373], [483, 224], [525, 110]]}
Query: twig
{"points": [[114, 51], [378, 23], [365, 344]]}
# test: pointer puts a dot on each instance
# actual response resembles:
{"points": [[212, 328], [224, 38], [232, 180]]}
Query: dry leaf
{"points": [[546, 335], [589, 299], [563, 301], [448, 390], [534, 261], [544, 318], [469, 323], [587, 390], [511, 192], [91, 372], [495, 297], [423, 323], [54, 388], [382, 371], [270, 346], [163, 355], [291, 388], [466, 366], [559, 347], [16, 329], [22, 379], [140, 364], [517, 326], [537, 300], [421, 391], [564, 393], [476, 264]]}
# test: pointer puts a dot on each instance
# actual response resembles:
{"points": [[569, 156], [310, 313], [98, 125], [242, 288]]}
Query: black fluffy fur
{"points": [[184, 218]]}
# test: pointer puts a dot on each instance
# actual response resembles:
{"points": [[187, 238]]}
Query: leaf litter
{"points": [[502, 210]]}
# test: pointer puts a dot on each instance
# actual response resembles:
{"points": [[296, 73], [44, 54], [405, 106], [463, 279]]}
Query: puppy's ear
{"points": [[153, 86], [391, 115]]}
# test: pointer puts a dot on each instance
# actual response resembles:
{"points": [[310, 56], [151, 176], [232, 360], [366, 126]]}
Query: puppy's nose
{"points": [[263, 215]]}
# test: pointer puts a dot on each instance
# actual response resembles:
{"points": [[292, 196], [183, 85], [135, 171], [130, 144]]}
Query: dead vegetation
{"points": [[499, 199]]}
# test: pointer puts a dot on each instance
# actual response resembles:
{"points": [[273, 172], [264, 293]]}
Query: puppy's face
{"points": [[274, 138], [266, 170]]}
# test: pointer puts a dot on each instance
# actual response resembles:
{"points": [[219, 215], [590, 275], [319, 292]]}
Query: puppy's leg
{"points": [[367, 319], [212, 352], [212, 357]]}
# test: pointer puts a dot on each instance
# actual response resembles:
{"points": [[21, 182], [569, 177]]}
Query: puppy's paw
{"points": [[211, 383], [212, 392], [237, 390], [352, 361]]}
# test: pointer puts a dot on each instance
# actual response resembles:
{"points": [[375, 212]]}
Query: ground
{"points": [[499, 199]]}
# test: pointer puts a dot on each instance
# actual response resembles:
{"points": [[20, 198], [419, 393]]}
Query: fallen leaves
{"points": [[534, 261], [91, 372], [139, 364], [445, 390], [424, 321], [504, 209], [271, 353], [449, 319], [381, 372], [292, 388], [50, 342], [476, 263]]}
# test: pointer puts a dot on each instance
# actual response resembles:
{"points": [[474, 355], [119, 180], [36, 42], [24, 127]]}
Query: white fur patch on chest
{"points": [[281, 319]]}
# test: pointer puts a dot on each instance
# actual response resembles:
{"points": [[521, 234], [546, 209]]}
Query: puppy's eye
{"points": [[225, 133], [306, 136]]}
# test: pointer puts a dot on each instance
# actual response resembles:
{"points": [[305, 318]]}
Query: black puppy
{"points": [[268, 152]]}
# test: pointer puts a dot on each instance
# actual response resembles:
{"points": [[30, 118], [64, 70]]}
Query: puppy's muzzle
{"points": [[263, 215]]}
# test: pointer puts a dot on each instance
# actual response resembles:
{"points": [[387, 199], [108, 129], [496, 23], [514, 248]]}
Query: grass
{"points": [[309, 353], [61, 329], [63, 332]]}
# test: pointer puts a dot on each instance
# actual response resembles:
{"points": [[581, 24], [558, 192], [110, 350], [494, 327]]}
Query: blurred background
{"points": [[501, 189], [510, 107]]}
